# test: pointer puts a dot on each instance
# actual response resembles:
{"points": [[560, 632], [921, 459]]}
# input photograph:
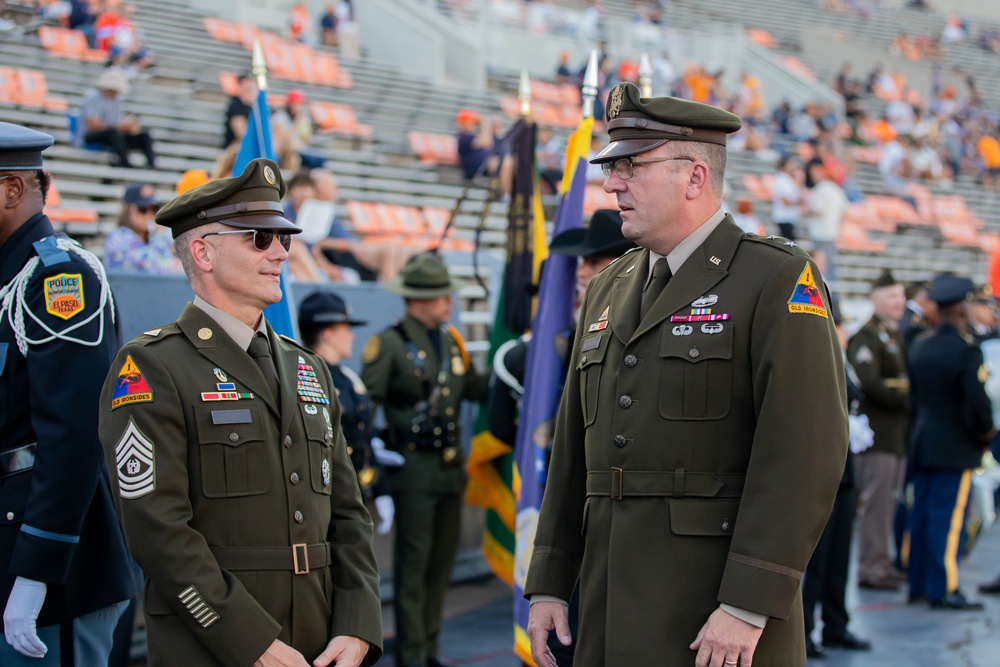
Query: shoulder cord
{"points": [[13, 304], [500, 367]]}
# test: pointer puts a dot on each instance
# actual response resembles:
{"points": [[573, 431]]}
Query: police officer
{"points": [[65, 570], [877, 352], [419, 371], [325, 326], [953, 427], [232, 477], [703, 425]]}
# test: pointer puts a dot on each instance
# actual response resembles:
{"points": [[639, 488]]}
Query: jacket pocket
{"points": [[319, 437], [590, 364], [696, 374], [703, 518], [233, 456]]}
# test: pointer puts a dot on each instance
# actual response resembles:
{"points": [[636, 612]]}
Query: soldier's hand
{"points": [[343, 651], [280, 654], [23, 604], [543, 617], [726, 641]]}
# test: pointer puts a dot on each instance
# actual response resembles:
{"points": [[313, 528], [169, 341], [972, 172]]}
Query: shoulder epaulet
{"points": [[294, 342], [49, 252], [620, 258], [777, 242], [150, 336]]}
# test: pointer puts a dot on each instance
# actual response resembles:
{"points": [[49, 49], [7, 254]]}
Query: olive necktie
{"points": [[661, 276], [261, 353]]}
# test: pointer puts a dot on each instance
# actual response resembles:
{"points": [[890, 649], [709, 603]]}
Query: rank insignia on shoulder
{"points": [[64, 295], [371, 350], [806, 297], [597, 326], [131, 386], [152, 332], [864, 355], [135, 463]]}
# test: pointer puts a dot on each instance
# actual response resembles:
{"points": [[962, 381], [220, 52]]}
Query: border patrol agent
{"points": [[419, 371], [952, 430], [65, 571], [232, 477], [703, 428]]}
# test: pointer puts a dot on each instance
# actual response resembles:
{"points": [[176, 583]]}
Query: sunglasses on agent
{"points": [[262, 238]]}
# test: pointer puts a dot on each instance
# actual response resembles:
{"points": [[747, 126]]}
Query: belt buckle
{"points": [[617, 477], [300, 566]]}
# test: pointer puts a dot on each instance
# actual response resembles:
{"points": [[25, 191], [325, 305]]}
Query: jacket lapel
{"points": [[222, 351], [706, 266], [286, 358], [626, 296]]}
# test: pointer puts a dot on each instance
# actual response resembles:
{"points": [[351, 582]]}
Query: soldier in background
{"points": [[920, 313], [983, 319]]}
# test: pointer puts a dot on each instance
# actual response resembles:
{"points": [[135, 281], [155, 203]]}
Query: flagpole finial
{"points": [[589, 89], [645, 75], [524, 94], [259, 65]]}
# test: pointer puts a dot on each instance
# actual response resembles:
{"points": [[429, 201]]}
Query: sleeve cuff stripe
{"points": [[46, 535], [765, 565]]}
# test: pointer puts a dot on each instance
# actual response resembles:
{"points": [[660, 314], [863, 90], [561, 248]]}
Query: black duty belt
{"points": [[17, 460], [619, 484], [299, 558]]}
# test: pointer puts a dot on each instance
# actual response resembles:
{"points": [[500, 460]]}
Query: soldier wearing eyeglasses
{"points": [[232, 477], [703, 426]]}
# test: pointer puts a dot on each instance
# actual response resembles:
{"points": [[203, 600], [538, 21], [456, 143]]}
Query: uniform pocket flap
{"points": [[703, 517], [249, 429], [592, 350], [690, 343], [317, 428]]}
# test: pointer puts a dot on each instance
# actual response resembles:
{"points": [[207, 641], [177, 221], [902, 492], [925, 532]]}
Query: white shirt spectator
{"points": [[900, 115], [827, 209], [785, 189]]}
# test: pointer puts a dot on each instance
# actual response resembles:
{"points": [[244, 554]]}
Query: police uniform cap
{"points": [[885, 279], [637, 124], [948, 289], [601, 238], [251, 200], [326, 308], [984, 294], [21, 148], [424, 276]]}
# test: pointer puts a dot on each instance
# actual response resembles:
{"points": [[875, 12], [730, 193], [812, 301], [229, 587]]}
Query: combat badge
{"points": [[806, 297], [372, 347], [64, 295], [221, 374], [131, 386], [135, 463]]}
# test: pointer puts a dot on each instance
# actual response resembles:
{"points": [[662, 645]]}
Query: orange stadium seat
{"points": [[364, 219], [569, 94], [67, 43], [434, 148], [853, 238], [762, 37], [436, 219], [32, 91], [8, 84], [338, 118]]}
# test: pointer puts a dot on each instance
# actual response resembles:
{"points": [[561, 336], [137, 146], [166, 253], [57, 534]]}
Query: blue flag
{"points": [[257, 143]]}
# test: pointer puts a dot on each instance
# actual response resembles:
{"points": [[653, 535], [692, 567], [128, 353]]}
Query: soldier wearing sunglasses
{"points": [[233, 482]]}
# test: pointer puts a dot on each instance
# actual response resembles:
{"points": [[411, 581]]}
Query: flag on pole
{"points": [[492, 477], [257, 143], [545, 373]]}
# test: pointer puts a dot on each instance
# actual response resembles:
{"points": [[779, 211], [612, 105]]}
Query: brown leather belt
{"points": [[299, 558], [17, 460], [619, 484]]}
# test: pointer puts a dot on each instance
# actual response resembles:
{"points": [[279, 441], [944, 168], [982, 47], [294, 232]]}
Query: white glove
{"points": [[23, 605], [386, 457], [862, 436], [386, 511]]}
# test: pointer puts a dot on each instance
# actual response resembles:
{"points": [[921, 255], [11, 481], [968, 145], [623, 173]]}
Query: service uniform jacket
{"points": [[878, 355], [244, 514], [954, 417], [394, 381], [57, 516], [911, 325], [356, 420], [693, 468]]}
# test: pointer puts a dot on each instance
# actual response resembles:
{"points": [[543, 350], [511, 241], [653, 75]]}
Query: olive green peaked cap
{"points": [[638, 124], [251, 200]]}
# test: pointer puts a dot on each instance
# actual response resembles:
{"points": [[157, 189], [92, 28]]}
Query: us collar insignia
{"points": [[64, 295], [806, 297], [131, 386], [308, 388], [615, 104], [225, 391]]}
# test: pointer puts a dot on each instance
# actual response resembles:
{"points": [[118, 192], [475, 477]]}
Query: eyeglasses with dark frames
{"points": [[262, 238], [623, 166]]}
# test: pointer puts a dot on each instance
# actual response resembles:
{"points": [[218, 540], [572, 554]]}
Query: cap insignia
{"points": [[615, 105], [269, 175]]}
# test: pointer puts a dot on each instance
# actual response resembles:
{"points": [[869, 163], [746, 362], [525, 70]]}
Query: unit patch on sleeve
{"points": [[806, 297], [371, 350], [131, 386], [64, 295], [135, 463]]}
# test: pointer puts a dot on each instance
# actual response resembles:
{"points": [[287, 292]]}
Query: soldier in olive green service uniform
{"points": [[419, 372], [878, 354], [703, 428], [231, 474]]}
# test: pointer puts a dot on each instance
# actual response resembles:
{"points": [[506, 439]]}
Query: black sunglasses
{"points": [[261, 238], [152, 208]]}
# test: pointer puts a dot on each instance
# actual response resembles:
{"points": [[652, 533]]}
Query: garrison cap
{"points": [[637, 124], [21, 148], [326, 308], [885, 279], [601, 238], [948, 288], [251, 200]]}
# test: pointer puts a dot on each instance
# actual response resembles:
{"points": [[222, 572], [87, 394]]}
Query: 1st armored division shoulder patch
{"points": [[131, 386], [806, 297]]}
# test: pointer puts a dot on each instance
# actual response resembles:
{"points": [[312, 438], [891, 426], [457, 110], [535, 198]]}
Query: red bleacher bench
{"points": [[434, 148], [338, 118], [66, 43], [27, 88]]}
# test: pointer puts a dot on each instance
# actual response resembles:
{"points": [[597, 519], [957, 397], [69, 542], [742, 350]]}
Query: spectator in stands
{"points": [[82, 17], [300, 24], [105, 121], [787, 196], [238, 110], [745, 219], [301, 188], [894, 165], [138, 244], [347, 30], [925, 161], [781, 117], [117, 35], [563, 72], [592, 25], [989, 153], [291, 129], [824, 215], [328, 26], [954, 30], [476, 141], [191, 179], [550, 156]]}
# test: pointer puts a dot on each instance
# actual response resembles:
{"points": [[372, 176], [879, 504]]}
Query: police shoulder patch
{"points": [[805, 295], [371, 350], [64, 295], [135, 463], [131, 386]]}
